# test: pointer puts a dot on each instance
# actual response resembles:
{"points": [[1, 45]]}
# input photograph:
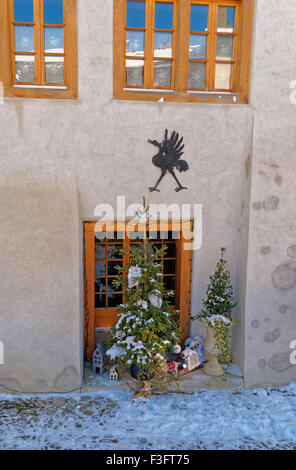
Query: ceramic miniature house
{"points": [[113, 374], [98, 359]]}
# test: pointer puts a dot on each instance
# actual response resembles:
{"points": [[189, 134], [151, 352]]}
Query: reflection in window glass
{"points": [[24, 38], [199, 18], [135, 14], [226, 19], [198, 46], [163, 44], [223, 77], [23, 11], [54, 39], [197, 75], [224, 47], [53, 12], [162, 73], [25, 68], [54, 69], [134, 72], [135, 43], [164, 15]]}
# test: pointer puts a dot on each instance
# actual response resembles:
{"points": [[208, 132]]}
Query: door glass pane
{"points": [[169, 282], [54, 39], [171, 250], [100, 251], [135, 43], [100, 268], [100, 284], [197, 75], [112, 271], [23, 11], [53, 12], [164, 15], [198, 46], [114, 300], [199, 18], [100, 301], [169, 267], [111, 287], [226, 17], [163, 45], [135, 14], [223, 77], [54, 69], [134, 72], [24, 38], [162, 73], [113, 251], [25, 68], [224, 47]]}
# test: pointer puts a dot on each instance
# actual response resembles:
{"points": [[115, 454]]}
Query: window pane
{"points": [[163, 44], [54, 39], [135, 14], [113, 251], [23, 11], [112, 271], [100, 301], [223, 77], [164, 15], [100, 251], [134, 72], [169, 282], [199, 18], [169, 267], [25, 68], [100, 284], [197, 75], [162, 73], [198, 46], [224, 47], [100, 268], [53, 12], [54, 69], [171, 250], [226, 17], [111, 287], [135, 43], [114, 300], [24, 38]]}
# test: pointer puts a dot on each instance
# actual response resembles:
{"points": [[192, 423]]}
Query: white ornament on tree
{"points": [[155, 299], [134, 274]]}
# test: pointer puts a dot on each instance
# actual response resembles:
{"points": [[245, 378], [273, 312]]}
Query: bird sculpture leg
{"points": [[180, 187], [154, 188]]}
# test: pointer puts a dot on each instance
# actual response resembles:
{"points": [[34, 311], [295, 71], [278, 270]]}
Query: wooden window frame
{"points": [[241, 73], [183, 278], [10, 88]]}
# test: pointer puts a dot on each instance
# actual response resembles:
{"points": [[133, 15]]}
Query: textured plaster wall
{"points": [[101, 146], [271, 278]]}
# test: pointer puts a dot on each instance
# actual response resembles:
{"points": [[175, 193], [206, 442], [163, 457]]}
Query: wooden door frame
{"points": [[184, 262]]}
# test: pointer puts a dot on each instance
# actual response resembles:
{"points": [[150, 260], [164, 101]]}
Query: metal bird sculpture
{"points": [[168, 158]]}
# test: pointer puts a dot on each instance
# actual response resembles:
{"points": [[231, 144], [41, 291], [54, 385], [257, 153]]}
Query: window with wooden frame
{"points": [[39, 49], [102, 255], [182, 50]]}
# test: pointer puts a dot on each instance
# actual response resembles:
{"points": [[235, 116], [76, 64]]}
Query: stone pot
{"points": [[212, 367]]}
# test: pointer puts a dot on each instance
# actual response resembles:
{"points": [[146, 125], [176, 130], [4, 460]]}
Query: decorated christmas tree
{"points": [[218, 306], [146, 330]]}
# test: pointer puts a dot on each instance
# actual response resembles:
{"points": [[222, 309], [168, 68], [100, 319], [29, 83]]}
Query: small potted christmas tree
{"points": [[146, 330], [216, 314]]}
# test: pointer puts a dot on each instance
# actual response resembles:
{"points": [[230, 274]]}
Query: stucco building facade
{"points": [[61, 158]]}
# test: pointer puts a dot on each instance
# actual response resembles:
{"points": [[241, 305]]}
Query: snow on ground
{"points": [[250, 419]]}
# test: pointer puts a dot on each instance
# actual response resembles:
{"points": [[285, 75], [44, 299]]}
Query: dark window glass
{"points": [[135, 14], [199, 18], [114, 300], [164, 15], [23, 11], [53, 12], [100, 301], [100, 268]]}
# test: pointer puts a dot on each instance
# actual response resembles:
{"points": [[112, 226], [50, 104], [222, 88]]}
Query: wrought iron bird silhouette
{"points": [[168, 158]]}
